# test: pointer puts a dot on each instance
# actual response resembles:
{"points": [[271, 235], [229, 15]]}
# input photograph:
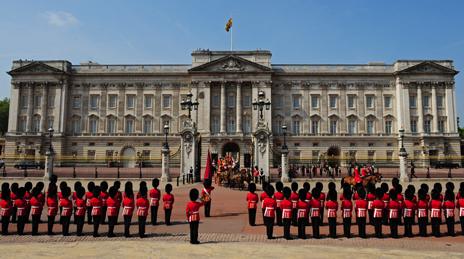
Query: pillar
{"points": [[420, 111], [239, 108], [404, 167], [285, 177], [44, 123], [223, 108], [165, 175], [48, 172], [30, 106], [434, 110]]}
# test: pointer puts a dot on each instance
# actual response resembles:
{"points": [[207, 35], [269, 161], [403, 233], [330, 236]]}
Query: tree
{"points": [[4, 112], [461, 132]]}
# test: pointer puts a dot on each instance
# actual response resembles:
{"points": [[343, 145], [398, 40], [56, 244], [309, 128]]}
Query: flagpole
{"points": [[231, 34]]}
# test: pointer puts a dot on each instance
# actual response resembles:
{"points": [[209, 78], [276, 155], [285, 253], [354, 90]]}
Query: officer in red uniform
{"points": [[88, 198], [128, 207], [112, 211], [386, 200], [20, 205], [79, 212], [279, 196], [142, 210], [315, 210], [408, 212], [378, 206], [155, 196], [394, 213], [103, 197], [263, 196], [449, 207], [294, 199], [252, 202], [302, 213], [77, 185], [52, 204], [206, 195], [5, 208], [332, 207], [168, 202], [66, 210], [14, 196], [370, 201], [286, 208], [400, 200], [346, 207], [322, 199], [269, 205], [435, 212], [36, 210], [96, 204], [27, 198], [117, 186], [192, 212], [460, 206], [422, 212], [361, 212]]}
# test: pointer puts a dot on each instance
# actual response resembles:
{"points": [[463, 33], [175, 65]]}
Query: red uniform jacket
{"points": [[422, 209], [113, 206], [88, 197], [460, 206], [449, 208], [142, 206], [408, 208], [294, 199], [346, 208], [361, 208], [27, 198], [66, 207], [168, 201], [269, 206], [192, 211], [207, 192], [394, 209], [103, 197], [378, 206], [315, 208], [286, 207], [128, 206], [41, 198], [435, 209], [309, 196], [252, 200], [332, 207], [5, 208], [52, 205], [155, 196], [96, 204], [36, 207], [370, 200], [80, 207], [303, 209], [322, 199], [279, 197], [20, 204]]}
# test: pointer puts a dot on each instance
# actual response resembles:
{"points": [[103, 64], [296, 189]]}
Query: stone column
{"points": [[420, 111], [403, 156], [223, 108], [44, 108], [30, 106], [14, 107], [285, 177], [63, 109], [449, 108], [48, 172], [165, 175], [239, 108], [434, 110]]}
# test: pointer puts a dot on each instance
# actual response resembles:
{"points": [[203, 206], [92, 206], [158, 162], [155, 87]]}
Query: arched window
{"points": [[93, 125], [36, 123], [129, 125], [147, 125], [111, 124]]}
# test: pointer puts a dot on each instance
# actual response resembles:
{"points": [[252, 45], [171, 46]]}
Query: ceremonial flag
{"points": [[209, 168], [229, 24]]}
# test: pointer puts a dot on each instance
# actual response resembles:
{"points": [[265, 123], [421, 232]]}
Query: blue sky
{"points": [[345, 31]]}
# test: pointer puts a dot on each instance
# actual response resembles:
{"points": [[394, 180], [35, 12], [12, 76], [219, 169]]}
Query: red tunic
{"points": [[294, 199], [422, 209], [252, 200], [279, 197], [361, 208], [449, 208], [41, 198], [52, 205], [20, 204], [103, 197], [322, 199], [408, 208], [357, 177], [66, 207], [113, 206], [207, 192], [269, 206], [168, 201], [346, 207], [394, 208], [96, 204], [192, 211], [286, 207], [435, 209], [370, 200], [27, 198], [303, 208], [142, 206], [128, 206], [88, 197], [80, 207], [315, 208], [378, 206], [5, 208], [309, 196], [332, 207], [460, 206], [36, 207], [155, 196]]}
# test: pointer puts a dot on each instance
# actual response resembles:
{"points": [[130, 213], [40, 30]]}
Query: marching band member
{"points": [[332, 206], [168, 201], [142, 210], [206, 194], [378, 206], [294, 200], [449, 208], [269, 205], [302, 213], [435, 212], [52, 204], [193, 215], [279, 196], [422, 212], [393, 212], [96, 204], [155, 196], [252, 200], [346, 208], [460, 206], [361, 212], [88, 198], [79, 212], [286, 208], [36, 210], [20, 205], [408, 212], [128, 207], [66, 210], [5, 208], [103, 197], [315, 206], [112, 211]]}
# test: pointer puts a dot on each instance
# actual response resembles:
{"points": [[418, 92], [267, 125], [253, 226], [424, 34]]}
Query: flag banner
{"points": [[229, 25], [208, 170]]}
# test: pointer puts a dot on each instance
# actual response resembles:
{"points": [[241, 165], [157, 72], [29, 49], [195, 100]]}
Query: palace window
{"points": [[51, 101], [130, 101], [215, 101], [246, 125], [352, 126], [231, 125], [387, 102], [76, 125], [441, 125], [36, 123], [389, 156], [231, 101], [111, 125], [413, 126], [93, 125], [370, 155], [351, 101], [278, 101], [37, 101], [147, 125], [427, 126], [129, 125], [166, 101], [440, 101], [247, 101], [112, 101], [333, 101], [426, 101], [215, 124], [94, 101], [412, 101], [91, 155], [148, 101], [23, 101], [296, 101], [76, 102], [277, 126], [370, 127], [296, 127], [333, 127], [314, 101], [50, 121], [388, 127], [370, 101], [315, 126]]}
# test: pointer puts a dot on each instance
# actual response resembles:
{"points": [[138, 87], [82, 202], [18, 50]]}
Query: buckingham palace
{"points": [[352, 112]]}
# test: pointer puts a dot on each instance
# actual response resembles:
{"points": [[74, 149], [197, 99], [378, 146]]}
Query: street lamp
{"points": [[284, 132], [402, 149], [74, 165], [166, 132], [50, 134], [188, 104], [117, 161], [139, 155], [261, 103]]}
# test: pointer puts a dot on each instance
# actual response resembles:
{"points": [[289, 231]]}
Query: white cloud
{"points": [[60, 18]]}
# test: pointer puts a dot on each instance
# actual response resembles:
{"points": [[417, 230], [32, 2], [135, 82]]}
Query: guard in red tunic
{"points": [[400, 200], [361, 212], [252, 203], [168, 202], [315, 210], [370, 197], [27, 199], [408, 212], [286, 207], [77, 185], [386, 200], [142, 210], [79, 212], [206, 196], [378, 206], [422, 212], [117, 186], [269, 205], [96, 204], [20, 205], [88, 198], [460, 206], [112, 211], [192, 212], [449, 207], [155, 196], [279, 196], [14, 196], [294, 199], [393, 213], [346, 207], [302, 213], [52, 204], [36, 210], [66, 210], [5, 208], [103, 197], [128, 207], [322, 199], [332, 206], [435, 212]]}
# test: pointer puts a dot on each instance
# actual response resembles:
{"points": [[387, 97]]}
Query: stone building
{"points": [[103, 113]]}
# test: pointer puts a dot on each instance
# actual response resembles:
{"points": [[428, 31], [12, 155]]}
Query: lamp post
{"points": [[403, 158], [117, 162], [165, 176], [188, 104], [74, 165], [261, 103], [285, 177], [139, 156], [49, 156]]}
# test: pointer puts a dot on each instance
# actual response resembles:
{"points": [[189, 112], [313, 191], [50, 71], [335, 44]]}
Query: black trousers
{"points": [[127, 223], [35, 224], [96, 225], [269, 222], [167, 216], [315, 223], [461, 219], [450, 225], [279, 217], [154, 215], [142, 222], [294, 217], [252, 217], [194, 231], [65, 220], [322, 216], [302, 228], [50, 223], [347, 227], [361, 221], [79, 220], [394, 227], [287, 223], [89, 215], [435, 226], [5, 223], [371, 217], [111, 223], [21, 221], [103, 214], [385, 216], [208, 209], [422, 226], [333, 227], [13, 213], [408, 226], [378, 227]]}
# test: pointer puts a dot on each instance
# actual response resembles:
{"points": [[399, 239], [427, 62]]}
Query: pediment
{"points": [[428, 67], [36, 68], [231, 64]]}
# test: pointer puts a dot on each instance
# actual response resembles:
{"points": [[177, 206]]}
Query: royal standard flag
{"points": [[229, 24]]}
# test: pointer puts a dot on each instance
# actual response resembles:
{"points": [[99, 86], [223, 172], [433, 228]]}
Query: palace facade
{"points": [[103, 113]]}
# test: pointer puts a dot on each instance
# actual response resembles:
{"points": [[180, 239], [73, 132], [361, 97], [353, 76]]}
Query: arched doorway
{"points": [[231, 148], [333, 156], [128, 156]]}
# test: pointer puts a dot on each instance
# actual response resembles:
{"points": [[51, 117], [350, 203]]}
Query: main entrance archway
{"points": [[128, 157], [231, 148], [333, 155]]}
